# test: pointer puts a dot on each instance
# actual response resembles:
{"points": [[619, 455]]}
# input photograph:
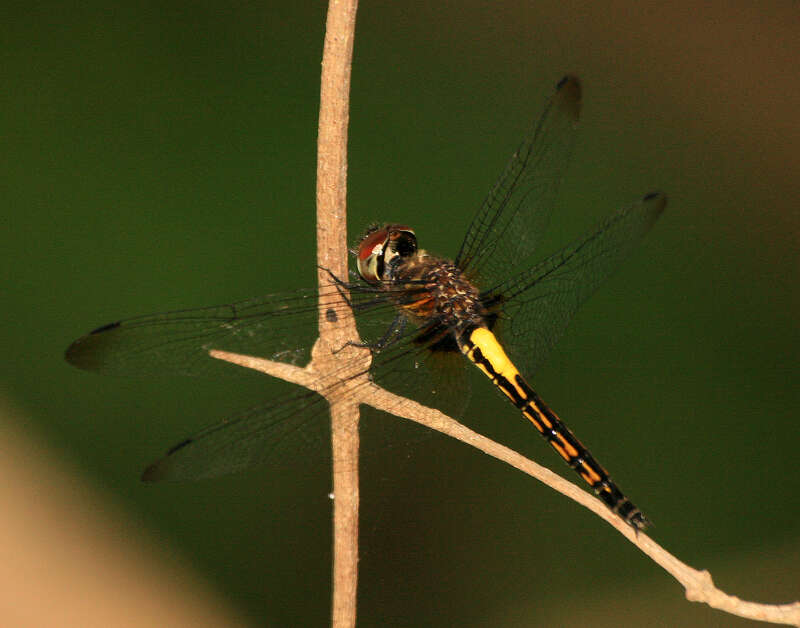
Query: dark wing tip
{"points": [[80, 353], [568, 94], [657, 199], [153, 472], [159, 470], [83, 353], [103, 328]]}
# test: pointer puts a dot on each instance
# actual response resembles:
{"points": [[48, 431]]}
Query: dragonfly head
{"points": [[382, 248]]}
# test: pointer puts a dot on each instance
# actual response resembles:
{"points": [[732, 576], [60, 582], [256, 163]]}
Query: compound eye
{"points": [[401, 244], [403, 241], [371, 251]]}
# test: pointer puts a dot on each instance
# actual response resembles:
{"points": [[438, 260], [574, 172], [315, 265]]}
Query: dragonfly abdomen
{"points": [[482, 348]]}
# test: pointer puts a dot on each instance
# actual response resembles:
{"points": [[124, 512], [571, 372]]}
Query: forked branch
{"points": [[698, 584], [334, 108]]}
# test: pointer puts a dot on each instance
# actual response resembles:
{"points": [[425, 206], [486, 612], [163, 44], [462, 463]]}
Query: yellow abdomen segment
{"points": [[483, 349]]}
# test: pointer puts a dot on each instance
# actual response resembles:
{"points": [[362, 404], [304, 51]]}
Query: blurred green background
{"points": [[159, 156]]}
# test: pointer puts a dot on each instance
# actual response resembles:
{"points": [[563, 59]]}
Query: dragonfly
{"points": [[424, 318]]}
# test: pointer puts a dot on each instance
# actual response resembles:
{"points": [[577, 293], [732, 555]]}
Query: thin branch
{"points": [[698, 584], [336, 331]]}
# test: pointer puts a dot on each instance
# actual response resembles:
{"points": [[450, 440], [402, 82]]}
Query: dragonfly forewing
{"points": [[538, 303], [514, 216]]}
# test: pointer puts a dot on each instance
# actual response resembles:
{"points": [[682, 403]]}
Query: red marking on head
{"points": [[368, 244]]}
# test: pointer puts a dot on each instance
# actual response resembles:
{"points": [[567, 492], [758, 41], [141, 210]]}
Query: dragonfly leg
{"points": [[391, 336]]}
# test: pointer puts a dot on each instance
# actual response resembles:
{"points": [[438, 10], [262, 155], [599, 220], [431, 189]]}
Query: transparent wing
{"points": [[289, 430], [538, 304], [277, 326], [514, 216]]}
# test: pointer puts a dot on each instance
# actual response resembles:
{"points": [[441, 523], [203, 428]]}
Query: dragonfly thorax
{"points": [[425, 287], [432, 288]]}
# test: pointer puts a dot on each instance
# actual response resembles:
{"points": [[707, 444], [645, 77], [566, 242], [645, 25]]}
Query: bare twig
{"points": [[698, 584], [332, 255]]}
